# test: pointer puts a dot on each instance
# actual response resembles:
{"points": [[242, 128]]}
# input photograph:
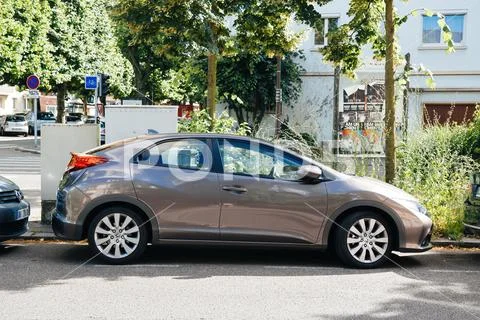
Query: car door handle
{"points": [[236, 189]]}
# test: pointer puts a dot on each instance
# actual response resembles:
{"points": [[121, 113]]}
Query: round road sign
{"points": [[33, 82]]}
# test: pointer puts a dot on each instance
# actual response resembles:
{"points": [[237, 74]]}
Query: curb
{"points": [[465, 243], [38, 231], [27, 150], [39, 236]]}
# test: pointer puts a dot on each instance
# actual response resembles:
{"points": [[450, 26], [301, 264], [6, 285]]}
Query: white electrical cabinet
{"points": [[125, 121]]}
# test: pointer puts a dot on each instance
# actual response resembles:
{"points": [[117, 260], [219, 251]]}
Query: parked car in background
{"points": [[14, 125], [14, 210], [472, 209], [90, 119], [42, 118], [223, 189], [74, 118]]}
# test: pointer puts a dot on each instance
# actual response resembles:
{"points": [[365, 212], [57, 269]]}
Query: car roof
{"points": [[163, 136]]}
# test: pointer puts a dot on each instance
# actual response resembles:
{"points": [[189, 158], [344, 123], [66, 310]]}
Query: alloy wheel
{"points": [[117, 235], [367, 240]]}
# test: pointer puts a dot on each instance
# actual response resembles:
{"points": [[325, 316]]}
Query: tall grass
{"points": [[432, 168]]}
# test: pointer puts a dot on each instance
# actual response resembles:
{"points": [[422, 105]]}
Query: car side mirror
{"points": [[309, 173]]}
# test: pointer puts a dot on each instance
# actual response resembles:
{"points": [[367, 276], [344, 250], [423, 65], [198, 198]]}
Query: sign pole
{"points": [[97, 122], [35, 133], [33, 82]]}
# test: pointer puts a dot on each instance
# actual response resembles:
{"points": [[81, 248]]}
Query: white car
{"points": [[14, 124], [42, 117]]}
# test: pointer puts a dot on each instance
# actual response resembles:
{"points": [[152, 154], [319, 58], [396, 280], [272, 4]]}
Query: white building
{"points": [[457, 76], [11, 100]]}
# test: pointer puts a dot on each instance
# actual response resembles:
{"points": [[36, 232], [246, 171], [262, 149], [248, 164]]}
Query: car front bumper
{"points": [[13, 219]]}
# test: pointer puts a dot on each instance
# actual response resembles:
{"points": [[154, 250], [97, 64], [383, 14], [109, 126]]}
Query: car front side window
{"points": [[243, 158]]}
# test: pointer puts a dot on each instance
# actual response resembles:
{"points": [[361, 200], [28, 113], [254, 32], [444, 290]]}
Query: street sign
{"points": [[33, 82], [33, 94], [91, 82]]}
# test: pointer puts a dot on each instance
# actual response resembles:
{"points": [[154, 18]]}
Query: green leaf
{"points": [[428, 12], [430, 82]]}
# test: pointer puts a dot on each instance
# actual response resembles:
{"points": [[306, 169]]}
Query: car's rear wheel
{"points": [[117, 235], [363, 240]]}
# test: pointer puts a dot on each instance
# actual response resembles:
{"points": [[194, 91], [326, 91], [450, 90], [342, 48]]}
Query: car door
{"points": [[175, 178], [262, 200]]}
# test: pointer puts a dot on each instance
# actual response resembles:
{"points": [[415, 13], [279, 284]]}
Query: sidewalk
{"points": [[28, 145]]}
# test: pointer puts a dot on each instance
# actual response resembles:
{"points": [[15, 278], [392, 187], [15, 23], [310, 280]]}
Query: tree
{"points": [[84, 43], [24, 45], [374, 23], [203, 27], [182, 28], [248, 84], [60, 41], [262, 28]]}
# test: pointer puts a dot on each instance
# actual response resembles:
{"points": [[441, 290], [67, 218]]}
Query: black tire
{"points": [[136, 220], [25, 134], [344, 250]]}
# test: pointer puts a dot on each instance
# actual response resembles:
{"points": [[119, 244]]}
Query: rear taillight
{"points": [[81, 161]]}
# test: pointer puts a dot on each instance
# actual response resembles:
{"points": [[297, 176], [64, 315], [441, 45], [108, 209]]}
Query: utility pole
{"points": [[406, 70], [278, 97], [336, 108]]}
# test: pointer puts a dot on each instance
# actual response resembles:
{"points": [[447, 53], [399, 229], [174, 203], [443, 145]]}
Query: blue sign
{"points": [[33, 82], [91, 82]]}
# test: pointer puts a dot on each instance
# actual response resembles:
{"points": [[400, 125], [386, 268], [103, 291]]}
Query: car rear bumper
{"points": [[15, 130], [64, 229]]}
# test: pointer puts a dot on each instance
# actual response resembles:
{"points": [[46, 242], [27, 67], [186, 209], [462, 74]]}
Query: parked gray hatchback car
{"points": [[222, 189]]}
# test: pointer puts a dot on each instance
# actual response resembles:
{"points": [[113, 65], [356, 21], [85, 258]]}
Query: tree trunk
{"points": [[61, 94], [390, 157], [212, 84]]}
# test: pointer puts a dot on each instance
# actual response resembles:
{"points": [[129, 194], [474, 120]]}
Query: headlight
{"points": [[413, 206]]}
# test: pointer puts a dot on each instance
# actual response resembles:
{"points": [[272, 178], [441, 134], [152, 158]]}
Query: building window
{"points": [[432, 34], [325, 26]]}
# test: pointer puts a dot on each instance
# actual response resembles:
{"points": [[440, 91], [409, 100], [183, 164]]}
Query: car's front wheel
{"points": [[117, 235], [363, 240]]}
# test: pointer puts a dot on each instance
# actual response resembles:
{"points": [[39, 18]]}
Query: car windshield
{"points": [[16, 118]]}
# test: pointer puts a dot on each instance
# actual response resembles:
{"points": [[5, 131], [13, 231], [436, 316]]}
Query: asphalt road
{"points": [[57, 281]]}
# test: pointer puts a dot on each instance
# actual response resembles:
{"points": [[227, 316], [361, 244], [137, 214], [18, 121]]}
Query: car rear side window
{"points": [[193, 154]]}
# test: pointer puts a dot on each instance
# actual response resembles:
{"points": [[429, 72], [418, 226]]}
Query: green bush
{"points": [[468, 141], [431, 167], [201, 122]]}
